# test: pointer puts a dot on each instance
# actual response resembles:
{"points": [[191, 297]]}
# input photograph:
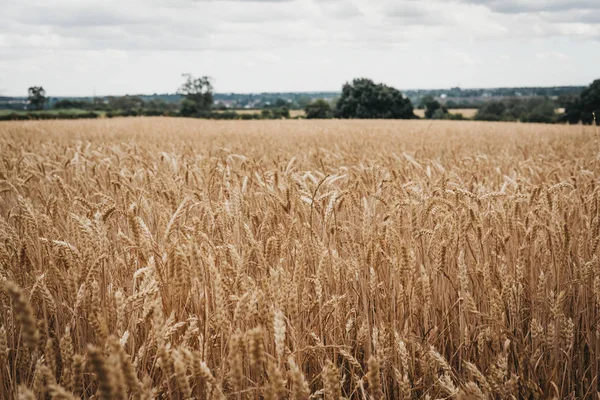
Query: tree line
{"points": [[361, 99]]}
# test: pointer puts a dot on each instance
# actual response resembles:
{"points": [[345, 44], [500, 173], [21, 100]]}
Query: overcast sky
{"points": [[82, 47]]}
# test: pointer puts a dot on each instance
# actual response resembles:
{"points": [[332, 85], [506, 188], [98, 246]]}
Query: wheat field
{"points": [[466, 112], [167, 258], [293, 113]]}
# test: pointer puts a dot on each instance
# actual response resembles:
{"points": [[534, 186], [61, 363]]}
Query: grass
{"points": [[179, 258], [53, 112]]}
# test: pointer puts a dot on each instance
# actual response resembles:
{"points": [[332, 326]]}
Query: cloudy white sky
{"points": [[78, 47]]}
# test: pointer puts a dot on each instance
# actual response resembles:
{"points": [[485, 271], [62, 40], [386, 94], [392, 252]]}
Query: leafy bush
{"points": [[319, 109], [535, 109], [582, 109], [365, 99], [41, 115]]}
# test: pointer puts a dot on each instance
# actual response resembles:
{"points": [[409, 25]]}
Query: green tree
{"points": [[188, 108], [279, 103], [36, 97], [535, 109], [159, 105], [582, 109], [68, 104], [319, 109], [365, 99], [491, 111], [303, 101], [281, 112], [125, 103], [433, 108], [198, 90]]}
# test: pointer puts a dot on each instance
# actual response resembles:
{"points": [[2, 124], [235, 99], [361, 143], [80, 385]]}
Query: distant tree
{"points": [[126, 103], [364, 99], [582, 109], [303, 101], [188, 108], [539, 109], [439, 113], [319, 109], [536, 109], [160, 105], [281, 112], [36, 97], [491, 111], [66, 104], [433, 108], [99, 103], [566, 99], [197, 90], [74, 104], [281, 103]]}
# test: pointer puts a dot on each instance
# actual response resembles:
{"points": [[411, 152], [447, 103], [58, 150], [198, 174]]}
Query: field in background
{"points": [[212, 259], [293, 113], [466, 112]]}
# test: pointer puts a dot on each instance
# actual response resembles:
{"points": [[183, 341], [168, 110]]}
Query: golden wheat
{"points": [[169, 258]]}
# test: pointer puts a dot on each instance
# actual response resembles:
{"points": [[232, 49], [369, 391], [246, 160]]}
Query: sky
{"points": [[116, 47]]}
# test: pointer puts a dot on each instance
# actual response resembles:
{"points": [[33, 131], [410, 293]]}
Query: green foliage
{"points": [[188, 108], [39, 115], [582, 109], [125, 103], [248, 116], [36, 97], [197, 90], [275, 113], [364, 99], [141, 112], [281, 112], [433, 109], [319, 109], [535, 109], [302, 101], [281, 103], [160, 105], [66, 104]]}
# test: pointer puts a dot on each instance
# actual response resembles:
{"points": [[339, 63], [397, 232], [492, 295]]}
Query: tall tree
{"points": [[198, 91], [36, 97], [365, 99], [583, 108]]}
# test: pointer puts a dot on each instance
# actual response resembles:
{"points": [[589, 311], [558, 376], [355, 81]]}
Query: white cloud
{"points": [[552, 55], [522, 6], [121, 46]]}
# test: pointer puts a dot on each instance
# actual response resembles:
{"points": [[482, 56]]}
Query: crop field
{"points": [[293, 113], [466, 112], [178, 258]]}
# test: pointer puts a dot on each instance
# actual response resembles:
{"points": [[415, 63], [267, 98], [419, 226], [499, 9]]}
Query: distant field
{"points": [[293, 113], [466, 112]]}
